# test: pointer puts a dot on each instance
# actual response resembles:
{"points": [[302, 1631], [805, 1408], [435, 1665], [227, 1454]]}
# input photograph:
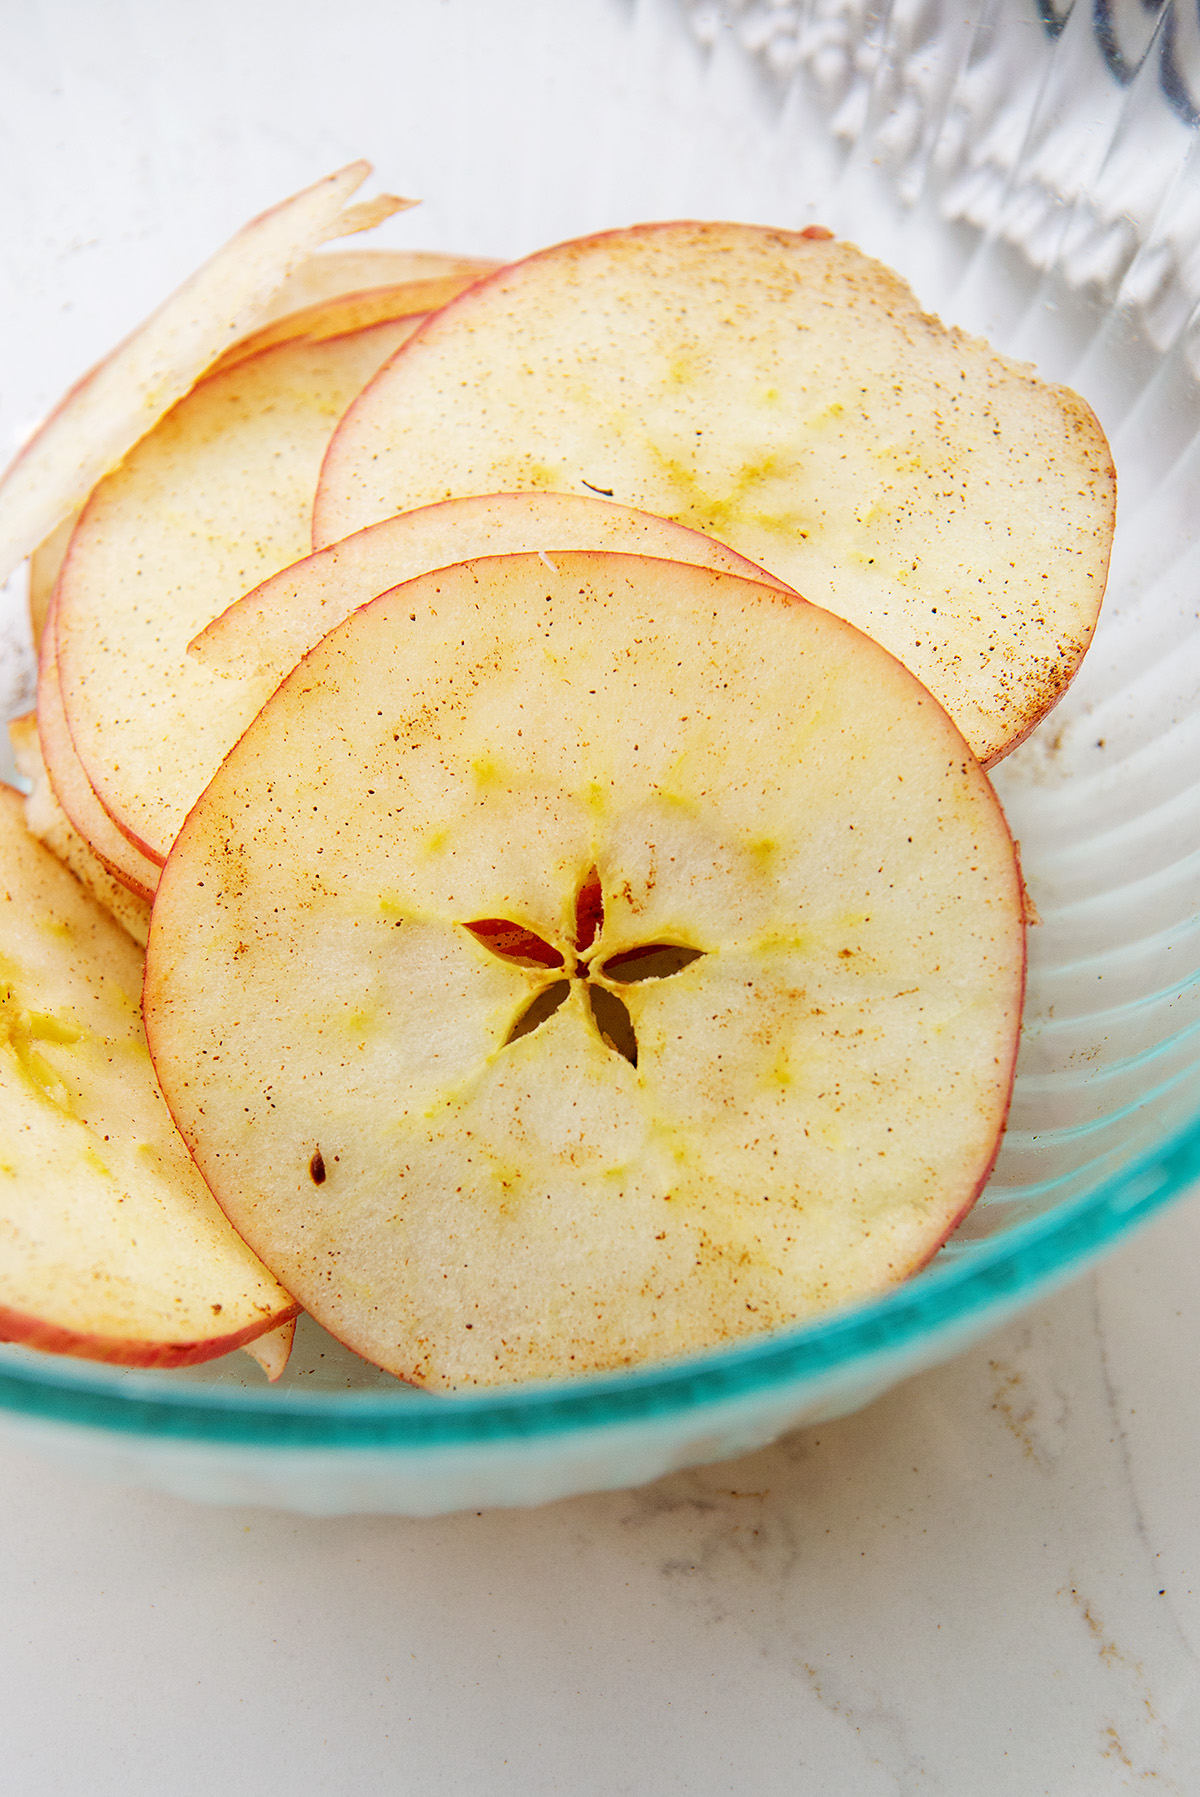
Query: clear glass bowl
{"points": [[1031, 171]]}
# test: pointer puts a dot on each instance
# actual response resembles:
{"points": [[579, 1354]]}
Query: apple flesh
{"points": [[211, 501], [580, 964], [111, 1246], [785, 394]]}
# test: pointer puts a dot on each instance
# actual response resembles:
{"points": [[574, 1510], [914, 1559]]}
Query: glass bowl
{"points": [[1031, 172]]}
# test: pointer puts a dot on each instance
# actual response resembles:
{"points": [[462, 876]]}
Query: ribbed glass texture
{"points": [[1032, 170]]}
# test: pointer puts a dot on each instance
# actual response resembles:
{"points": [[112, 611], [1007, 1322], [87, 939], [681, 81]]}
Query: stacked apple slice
{"points": [[570, 946]]}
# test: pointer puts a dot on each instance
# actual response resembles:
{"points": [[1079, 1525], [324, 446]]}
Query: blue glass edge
{"points": [[1033, 1255]]}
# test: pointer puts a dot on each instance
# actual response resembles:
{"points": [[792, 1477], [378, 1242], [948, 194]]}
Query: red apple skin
{"points": [[125, 860], [50, 1338], [381, 555], [981, 1186]]}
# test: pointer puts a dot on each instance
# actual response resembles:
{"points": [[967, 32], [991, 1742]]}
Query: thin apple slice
{"points": [[45, 565], [784, 394], [333, 272], [46, 819], [71, 786], [262, 636], [111, 1247], [106, 412], [347, 312], [584, 963], [211, 501], [273, 1350]]}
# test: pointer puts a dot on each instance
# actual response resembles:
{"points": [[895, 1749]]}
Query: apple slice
{"points": [[111, 1247], [331, 273], [784, 394], [71, 786], [347, 312], [46, 819], [106, 412], [45, 565], [216, 497], [273, 1350], [578, 964]]}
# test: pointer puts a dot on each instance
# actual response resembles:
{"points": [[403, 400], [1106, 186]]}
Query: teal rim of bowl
{"points": [[997, 1275]]}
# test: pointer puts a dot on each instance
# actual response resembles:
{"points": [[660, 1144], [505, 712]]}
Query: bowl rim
{"points": [[1024, 1261]]}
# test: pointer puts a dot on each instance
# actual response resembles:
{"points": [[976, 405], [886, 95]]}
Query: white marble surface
{"points": [[986, 1585]]}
